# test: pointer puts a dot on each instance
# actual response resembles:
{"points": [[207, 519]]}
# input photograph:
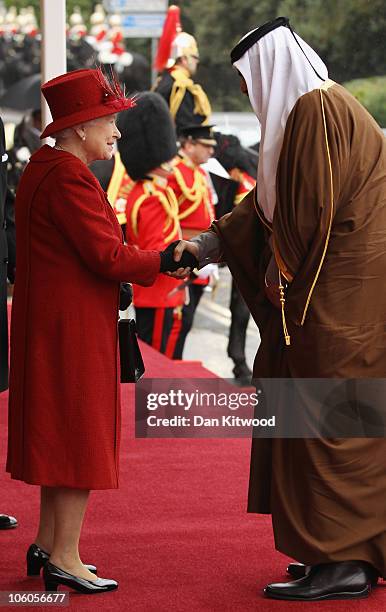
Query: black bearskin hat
{"points": [[148, 135]]}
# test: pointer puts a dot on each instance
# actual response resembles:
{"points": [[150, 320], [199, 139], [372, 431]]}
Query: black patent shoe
{"points": [[37, 558], [299, 570], [345, 580], [7, 522], [54, 576]]}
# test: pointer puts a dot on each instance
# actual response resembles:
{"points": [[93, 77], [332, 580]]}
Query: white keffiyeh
{"points": [[277, 74]]}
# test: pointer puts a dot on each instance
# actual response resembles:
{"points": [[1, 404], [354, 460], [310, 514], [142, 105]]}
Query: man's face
{"points": [[190, 63], [243, 85], [198, 152]]}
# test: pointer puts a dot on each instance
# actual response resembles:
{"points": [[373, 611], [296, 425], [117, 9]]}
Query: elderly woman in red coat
{"points": [[64, 407]]}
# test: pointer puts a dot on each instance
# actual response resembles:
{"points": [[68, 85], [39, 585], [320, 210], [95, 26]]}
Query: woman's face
{"points": [[100, 136]]}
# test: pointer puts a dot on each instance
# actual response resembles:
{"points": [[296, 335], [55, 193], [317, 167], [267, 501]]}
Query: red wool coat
{"points": [[64, 407]]}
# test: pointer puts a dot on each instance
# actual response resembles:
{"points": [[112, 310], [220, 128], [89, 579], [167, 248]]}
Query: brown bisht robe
{"points": [[327, 496]]}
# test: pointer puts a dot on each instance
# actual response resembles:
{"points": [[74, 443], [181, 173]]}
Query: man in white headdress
{"points": [[307, 249]]}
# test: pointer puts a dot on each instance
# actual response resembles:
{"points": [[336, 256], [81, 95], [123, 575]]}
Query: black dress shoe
{"points": [[299, 570], [54, 576], [37, 558], [345, 580], [7, 522]]}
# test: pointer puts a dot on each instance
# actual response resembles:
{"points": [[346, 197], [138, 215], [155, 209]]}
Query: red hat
{"points": [[80, 96]]}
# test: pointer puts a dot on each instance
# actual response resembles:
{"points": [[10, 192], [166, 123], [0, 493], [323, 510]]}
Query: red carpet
{"points": [[175, 535]]}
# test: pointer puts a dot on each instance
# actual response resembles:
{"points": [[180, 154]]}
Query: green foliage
{"points": [[349, 35], [371, 93]]}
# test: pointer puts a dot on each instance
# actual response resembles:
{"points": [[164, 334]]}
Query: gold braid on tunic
{"points": [[118, 187], [197, 193], [182, 84], [169, 203]]}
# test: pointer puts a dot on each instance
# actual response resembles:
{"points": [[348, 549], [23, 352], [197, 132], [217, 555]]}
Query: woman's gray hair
{"points": [[63, 134], [68, 132]]}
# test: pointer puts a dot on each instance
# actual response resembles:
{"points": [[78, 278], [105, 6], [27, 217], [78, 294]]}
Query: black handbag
{"points": [[125, 296], [132, 366]]}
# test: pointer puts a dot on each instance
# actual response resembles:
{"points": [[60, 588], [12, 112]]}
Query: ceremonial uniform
{"points": [[148, 141], [118, 189], [239, 310], [188, 102], [241, 167], [190, 184], [246, 183], [152, 223], [116, 182]]}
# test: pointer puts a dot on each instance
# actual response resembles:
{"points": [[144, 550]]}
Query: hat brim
{"points": [[206, 141], [109, 108]]}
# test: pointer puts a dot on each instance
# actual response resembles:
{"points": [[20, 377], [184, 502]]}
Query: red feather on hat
{"points": [[171, 27], [110, 83]]}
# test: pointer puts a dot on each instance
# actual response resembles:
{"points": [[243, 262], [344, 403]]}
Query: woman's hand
{"points": [[180, 273]]}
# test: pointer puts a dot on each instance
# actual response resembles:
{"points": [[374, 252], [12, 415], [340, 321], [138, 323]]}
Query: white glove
{"points": [[23, 154], [210, 270]]}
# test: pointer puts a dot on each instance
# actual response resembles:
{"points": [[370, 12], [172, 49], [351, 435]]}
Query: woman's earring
{"points": [[84, 137]]}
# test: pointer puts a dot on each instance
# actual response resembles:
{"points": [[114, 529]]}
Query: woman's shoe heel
{"points": [[36, 558], [50, 586], [33, 567]]}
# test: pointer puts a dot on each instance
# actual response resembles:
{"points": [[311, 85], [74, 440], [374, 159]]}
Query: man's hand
{"points": [[189, 247], [177, 260], [185, 245]]}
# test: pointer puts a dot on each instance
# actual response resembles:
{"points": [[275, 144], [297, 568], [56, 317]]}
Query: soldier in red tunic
{"points": [[147, 147], [192, 187]]}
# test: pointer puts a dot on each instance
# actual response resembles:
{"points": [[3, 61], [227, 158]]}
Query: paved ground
{"points": [[208, 340]]}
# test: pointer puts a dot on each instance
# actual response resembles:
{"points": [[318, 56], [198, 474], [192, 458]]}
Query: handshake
{"points": [[178, 258]]}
